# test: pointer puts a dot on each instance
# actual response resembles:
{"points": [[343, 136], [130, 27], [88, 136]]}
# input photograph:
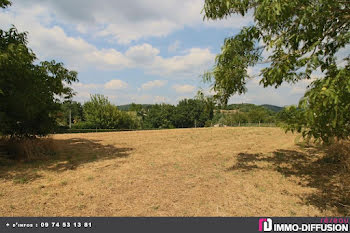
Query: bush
{"points": [[101, 114]]}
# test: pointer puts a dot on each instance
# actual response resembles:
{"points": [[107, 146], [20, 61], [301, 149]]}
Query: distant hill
{"points": [[273, 108]]}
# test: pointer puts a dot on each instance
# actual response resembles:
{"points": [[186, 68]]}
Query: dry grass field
{"points": [[180, 172]]}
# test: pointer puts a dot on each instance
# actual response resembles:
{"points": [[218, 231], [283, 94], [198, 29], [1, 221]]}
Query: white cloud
{"points": [[298, 90], [52, 42], [126, 32], [152, 84], [174, 46], [84, 90], [195, 62], [127, 21], [116, 84], [142, 54], [184, 88]]}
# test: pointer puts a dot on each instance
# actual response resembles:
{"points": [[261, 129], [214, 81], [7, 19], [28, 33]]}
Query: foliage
{"points": [[186, 114], [324, 110], [160, 116], [134, 107], [192, 113], [29, 91], [237, 117], [76, 110], [100, 113], [4, 3], [301, 41]]}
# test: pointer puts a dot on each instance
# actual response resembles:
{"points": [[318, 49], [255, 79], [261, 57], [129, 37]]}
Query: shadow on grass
{"points": [[314, 170], [67, 155]]}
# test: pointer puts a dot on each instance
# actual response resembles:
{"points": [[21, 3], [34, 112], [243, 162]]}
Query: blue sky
{"points": [[136, 51]]}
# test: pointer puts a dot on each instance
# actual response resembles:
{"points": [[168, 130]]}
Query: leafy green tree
{"points": [[291, 118], [70, 107], [4, 3], [129, 120], [240, 117], [323, 113], [189, 113], [30, 92], [141, 112], [303, 36], [160, 116], [257, 115], [100, 112], [209, 104]]}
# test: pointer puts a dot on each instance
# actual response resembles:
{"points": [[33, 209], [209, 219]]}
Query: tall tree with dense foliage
{"points": [[303, 37], [30, 92], [160, 116], [100, 112], [193, 113]]}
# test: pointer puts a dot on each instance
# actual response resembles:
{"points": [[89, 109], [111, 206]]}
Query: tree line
{"points": [[99, 113]]}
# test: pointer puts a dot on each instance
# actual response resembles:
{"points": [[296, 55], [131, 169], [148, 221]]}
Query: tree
{"points": [[160, 116], [241, 117], [257, 115], [301, 41], [140, 111], [4, 3], [188, 113], [324, 111], [30, 92], [101, 113], [70, 107]]}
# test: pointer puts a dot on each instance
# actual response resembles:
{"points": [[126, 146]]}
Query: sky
{"points": [[138, 50]]}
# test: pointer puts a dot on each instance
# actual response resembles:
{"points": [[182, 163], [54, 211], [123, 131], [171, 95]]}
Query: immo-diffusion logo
{"points": [[266, 225]]}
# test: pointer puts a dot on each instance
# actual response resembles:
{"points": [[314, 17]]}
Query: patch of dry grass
{"points": [[181, 172], [29, 148]]}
